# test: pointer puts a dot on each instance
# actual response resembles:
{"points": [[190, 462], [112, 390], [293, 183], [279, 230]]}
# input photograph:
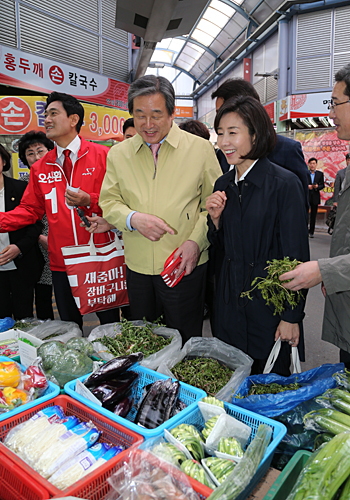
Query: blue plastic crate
{"points": [[253, 420], [51, 392], [188, 394]]}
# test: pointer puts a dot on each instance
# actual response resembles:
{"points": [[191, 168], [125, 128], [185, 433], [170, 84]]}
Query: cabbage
{"points": [[81, 344], [50, 353], [73, 364]]}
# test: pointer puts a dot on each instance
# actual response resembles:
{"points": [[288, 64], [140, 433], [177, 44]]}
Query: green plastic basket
{"points": [[287, 479]]}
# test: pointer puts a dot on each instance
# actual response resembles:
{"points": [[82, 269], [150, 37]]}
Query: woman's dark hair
{"points": [[71, 105], [195, 127], [29, 139], [256, 119], [6, 158]]}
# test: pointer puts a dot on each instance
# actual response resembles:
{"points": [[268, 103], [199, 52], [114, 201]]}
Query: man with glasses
{"points": [[334, 272]]}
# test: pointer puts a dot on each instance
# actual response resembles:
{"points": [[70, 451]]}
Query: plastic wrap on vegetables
{"points": [[325, 471], [81, 344], [47, 439], [70, 444], [74, 469], [111, 392], [144, 476], [73, 364], [10, 374], [34, 380], [194, 469], [112, 452], [158, 403], [25, 433], [244, 471], [50, 353]]}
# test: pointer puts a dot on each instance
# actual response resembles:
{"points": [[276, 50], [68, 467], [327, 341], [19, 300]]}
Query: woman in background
{"points": [[21, 262], [31, 147], [256, 214]]}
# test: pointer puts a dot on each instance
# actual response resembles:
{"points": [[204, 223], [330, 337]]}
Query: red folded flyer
{"points": [[168, 274]]}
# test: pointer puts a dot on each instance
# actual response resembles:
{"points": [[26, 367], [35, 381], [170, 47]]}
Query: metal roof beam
{"points": [[195, 42], [241, 11]]}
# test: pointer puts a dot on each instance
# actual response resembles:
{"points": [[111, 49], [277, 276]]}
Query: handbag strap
{"points": [[273, 356], [295, 366]]}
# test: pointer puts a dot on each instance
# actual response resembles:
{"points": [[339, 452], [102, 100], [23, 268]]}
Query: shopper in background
{"points": [[334, 272], [256, 214], [129, 129], [68, 176], [31, 147], [287, 153], [195, 127], [21, 261], [339, 179], [155, 189], [316, 184]]}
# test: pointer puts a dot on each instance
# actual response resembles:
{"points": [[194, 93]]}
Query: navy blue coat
{"points": [[288, 154], [269, 223]]}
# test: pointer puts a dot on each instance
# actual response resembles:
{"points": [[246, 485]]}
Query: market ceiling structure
{"points": [[198, 37]]}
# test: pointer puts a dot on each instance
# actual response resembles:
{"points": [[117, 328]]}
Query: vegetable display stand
{"points": [[287, 479], [253, 420], [187, 394], [51, 392], [91, 487]]}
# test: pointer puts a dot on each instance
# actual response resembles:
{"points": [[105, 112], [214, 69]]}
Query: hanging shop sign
{"points": [[330, 153], [18, 115], [271, 111], [184, 112], [29, 71], [304, 105]]}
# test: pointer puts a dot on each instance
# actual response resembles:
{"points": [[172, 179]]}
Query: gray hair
{"points": [[148, 85], [343, 75]]}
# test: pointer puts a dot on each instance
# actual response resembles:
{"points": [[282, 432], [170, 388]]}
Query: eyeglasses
{"points": [[333, 104]]}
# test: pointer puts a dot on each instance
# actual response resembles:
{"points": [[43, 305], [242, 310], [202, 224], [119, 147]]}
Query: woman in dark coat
{"points": [[256, 214], [21, 261]]}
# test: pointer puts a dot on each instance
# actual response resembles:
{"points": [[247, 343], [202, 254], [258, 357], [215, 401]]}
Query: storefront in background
{"points": [[330, 153], [19, 115]]}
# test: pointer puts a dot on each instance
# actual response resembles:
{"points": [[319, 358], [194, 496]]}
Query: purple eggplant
{"points": [[123, 407], [146, 402], [112, 369], [110, 394], [179, 406]]}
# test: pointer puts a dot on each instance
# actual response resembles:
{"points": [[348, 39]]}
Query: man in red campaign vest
{"points": [[68, 176]]}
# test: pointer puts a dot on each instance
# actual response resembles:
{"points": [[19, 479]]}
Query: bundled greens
{"points": [[205, 373], [272, 289], [134, 338], [271, 388], [325, 472]]}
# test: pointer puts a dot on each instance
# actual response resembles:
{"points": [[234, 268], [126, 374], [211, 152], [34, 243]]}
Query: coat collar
{"points": [[51, 156], [256, 176], [173, 138]]}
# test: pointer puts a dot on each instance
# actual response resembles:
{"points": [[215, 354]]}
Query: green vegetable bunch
{"points": [[272, 289], [134, 339], [205, 373], [272, 388]]}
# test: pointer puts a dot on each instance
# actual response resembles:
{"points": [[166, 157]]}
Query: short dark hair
{"points": [[256, 119], [148, 85], [6, 158], [71, 105], [195, 127], [343, 75], [234, 87], [347, 156], [312, 159], [29, 139], [128, 123]]}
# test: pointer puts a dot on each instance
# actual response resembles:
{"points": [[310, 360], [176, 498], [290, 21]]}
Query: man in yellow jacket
{"points": [[155, 190]]}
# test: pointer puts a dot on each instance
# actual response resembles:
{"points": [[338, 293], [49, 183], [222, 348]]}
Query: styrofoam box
{"points": [[27, 352]]}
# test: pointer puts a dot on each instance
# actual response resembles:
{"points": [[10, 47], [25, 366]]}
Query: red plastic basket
{"points": [[91, 487]]}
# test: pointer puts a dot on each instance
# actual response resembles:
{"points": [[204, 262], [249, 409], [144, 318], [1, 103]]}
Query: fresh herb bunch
{"points": [[134, 339], [272, 388], [272, 289], [205, 373]]}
